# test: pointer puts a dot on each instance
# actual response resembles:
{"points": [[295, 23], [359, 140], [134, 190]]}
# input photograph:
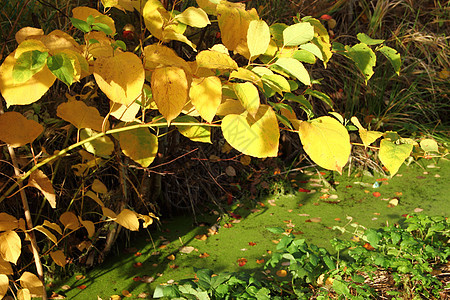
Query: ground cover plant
{"points": [[127, 98]]}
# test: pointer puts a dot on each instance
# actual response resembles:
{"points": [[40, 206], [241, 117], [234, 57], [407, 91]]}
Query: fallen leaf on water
{"points": [[275, 241], [79, 277], [324, 190], [260, 261], [376, 214], [241, 262], [170, 281], [174, 266], [393, 202], [325, 196], [302, 190], [398, 193], [297, 232], [143, 295], [355, 238], [235, 221], [227, 225], [437, 175], [54, 296], [204, 255], [186, 249], [138, 254], [281, 273], [303, 215], [272, 202], [417, 210], [333, 196], [399, 175], [366, 191], [316, 185], [382, 179], [243, 249], [171, 257], [376, 194], [252, 244], [255, 210], [201, 237], [126, 293], [314, 220], [82, 287], [236, 216], [337, 219], [374, 219], [290, 210], [137, 265], [348, 186], [115, 297], [137, 278], [66, 287], [147, 279]]}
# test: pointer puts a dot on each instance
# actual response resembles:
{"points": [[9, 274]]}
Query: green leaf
{"points": [[393, 155], [372, 237], [305, 104], [258, 37], [28, 64], [393, 56], [364, 38], [319, 95], [304, 56], [312, 48], [81, 25], [62, 67], [276, 30], [102, 147], [276, 230], [341, 288], [193, 132], [364, 59], [120, 44], [90, 20], [102, 27], [294, 68], [298, 34], [277, 83], [329, 262]]}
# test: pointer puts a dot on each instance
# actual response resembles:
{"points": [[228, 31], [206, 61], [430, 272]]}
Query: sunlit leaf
{"points": [[258, 37], [16, 130], [209, 6], [364, 59], [24, 294], [193, 16], [126, 113], [230, 106], [298, 34], [121, 77], [294, 68], [83, 12], [128, 219], [10, 246], [429, 145], [258, 137], [108, 213], [367, 136], [326, 141], [102, 146], [47, 232], [206, 94], [4, 284], [59, 258], [393, 56], [89, 225], [26, 32], [247, 75], [393, 155], [32, 283], [28, 64], [170, 91], [364, 38], [40, 181], [139, 144], [194, 132], [155, 15], [156, 56], [26, 92], [53, 226], [62, 67], [248, 94], [5, 267], [215, 60], [69, 220], [276, 82], [233, 22], [7, 222]]}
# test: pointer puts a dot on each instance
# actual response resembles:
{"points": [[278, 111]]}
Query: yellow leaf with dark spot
{"points": [[16, 130], [170, 91]]}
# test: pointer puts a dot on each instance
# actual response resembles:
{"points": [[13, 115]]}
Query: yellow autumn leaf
{"points": [[170, 91], [195, 133], [108, 213], [32, 283], [121, 77], [89, 225], [233, 22], [156, 56], [170, 34], [81, 116], [10, 246], [58, 257], [16, 130], [248, 94], [69, 220], [326, 141], [126, 113], [206, 95], [99, 187], [139, 144], [53, 226], [247, 75], [4, 285], [194, 17], [40, 181], [26, 92], [230, 106], [83, 12], [367, 136], [101, 49], [58, 40], [102, 146], [155, 16], [215, 60], [29, 45], [258, 137], [26, 32], [47, 232], [128, 219], [393, 155], [258, 37], [5, 268], [94, 197], [209, 6], [7, 222]]}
